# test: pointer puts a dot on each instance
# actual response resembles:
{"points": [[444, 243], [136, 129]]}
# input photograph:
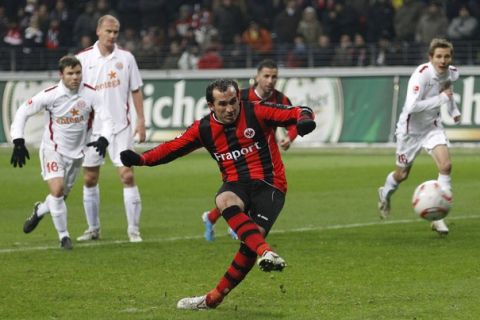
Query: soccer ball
{"points": [[431, 202]]}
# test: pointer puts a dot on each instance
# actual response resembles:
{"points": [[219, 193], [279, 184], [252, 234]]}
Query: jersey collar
{"points": [[259, 96], [64, 91], [436, 75], [99, 54]]}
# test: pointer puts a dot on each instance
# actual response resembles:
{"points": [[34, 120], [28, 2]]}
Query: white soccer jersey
{"points": [[421, 111], [114, 77], [69, 117]]}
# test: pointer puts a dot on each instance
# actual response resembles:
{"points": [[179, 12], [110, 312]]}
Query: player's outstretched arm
{"points": [[20, 153], [305, 122], [131, 158], [100, 145]]}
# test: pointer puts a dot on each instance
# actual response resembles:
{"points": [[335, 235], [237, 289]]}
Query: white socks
{"points": [[133, 208], [91, 205], [390, 186], [445, 181], [58, 211], [43, 207]]}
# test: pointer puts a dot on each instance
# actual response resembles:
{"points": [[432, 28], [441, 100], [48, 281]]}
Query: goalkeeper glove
{"points": [[305, 123], [100, 145], [19, 154], [131, 158]]}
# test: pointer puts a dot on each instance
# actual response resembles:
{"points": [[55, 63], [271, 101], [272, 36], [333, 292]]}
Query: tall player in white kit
{"points": [[69, 110], [115, 75], [420, 125]]}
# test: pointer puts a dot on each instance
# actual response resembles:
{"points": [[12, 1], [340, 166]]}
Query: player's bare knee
{"points": [[127, 178], [90, 181], [57, 193], [90, 178], [400, 176], [227, 199]]}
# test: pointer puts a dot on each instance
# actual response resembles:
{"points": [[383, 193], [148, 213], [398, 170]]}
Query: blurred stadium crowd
{"points": [[207, 34]]}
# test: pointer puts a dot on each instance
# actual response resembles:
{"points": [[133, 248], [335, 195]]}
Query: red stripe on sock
{"points": [[248, 232], [213, 215], [244, 264]]}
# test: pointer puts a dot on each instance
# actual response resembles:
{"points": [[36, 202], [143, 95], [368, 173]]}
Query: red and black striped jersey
{"points": [[276, 97], [244, 151]]}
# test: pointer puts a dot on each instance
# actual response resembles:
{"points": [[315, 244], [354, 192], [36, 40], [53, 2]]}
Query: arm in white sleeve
{"points": [[430, 103], [26, 110], [452, 109], [415, 93]]}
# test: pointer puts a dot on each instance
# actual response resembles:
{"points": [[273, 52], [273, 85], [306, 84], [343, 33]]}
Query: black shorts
{"points": [[263, 202]]}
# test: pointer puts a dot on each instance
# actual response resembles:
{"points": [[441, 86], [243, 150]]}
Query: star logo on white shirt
{"points": [[112, 75], [74, 112]]}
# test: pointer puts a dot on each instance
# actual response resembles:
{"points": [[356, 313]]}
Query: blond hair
{"points": [[107, 17], [439, 43]]}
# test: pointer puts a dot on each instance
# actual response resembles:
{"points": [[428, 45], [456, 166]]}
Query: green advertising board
{"points": [[348, 109]]}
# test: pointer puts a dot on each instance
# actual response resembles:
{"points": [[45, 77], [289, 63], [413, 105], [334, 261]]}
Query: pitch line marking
{"points": [[304, 229]]}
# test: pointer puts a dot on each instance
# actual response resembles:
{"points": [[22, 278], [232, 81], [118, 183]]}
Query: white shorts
{"points": [[120, 141], [408, 147], [55, 165]]}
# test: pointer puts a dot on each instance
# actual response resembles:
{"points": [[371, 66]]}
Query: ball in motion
{"points": [[431, 202]]}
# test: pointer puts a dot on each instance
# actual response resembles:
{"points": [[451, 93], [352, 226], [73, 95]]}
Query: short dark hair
{"points": [[267, 63], [68, 61], [221, 85]]}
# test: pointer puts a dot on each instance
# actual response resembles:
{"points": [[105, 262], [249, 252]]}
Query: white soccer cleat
{"points": [[232, 233], [383, 204], [90, 235], [134, 237], [193, 303], [270, 261], [440, 227]]}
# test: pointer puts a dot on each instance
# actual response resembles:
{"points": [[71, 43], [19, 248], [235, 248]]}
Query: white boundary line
{"points": [[295, 230]]}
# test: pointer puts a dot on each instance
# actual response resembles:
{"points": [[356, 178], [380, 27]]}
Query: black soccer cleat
{"points": [[66, 243], [32, 221]]}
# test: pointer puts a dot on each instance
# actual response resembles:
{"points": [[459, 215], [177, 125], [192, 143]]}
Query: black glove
{"points": [[305, 123], [19, 153], [100, 145], [131, 158]]}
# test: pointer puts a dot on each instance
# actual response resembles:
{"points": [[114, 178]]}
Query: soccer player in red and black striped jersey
{"points": [[240, 138], [263, 90]]}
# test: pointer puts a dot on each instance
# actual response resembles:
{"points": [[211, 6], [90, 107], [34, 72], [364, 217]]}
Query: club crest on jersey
{"points": [[249, 133], [119, 65], [80, 104]]}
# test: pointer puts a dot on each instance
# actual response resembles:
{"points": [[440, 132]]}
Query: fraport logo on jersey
{"points": [[235, 154], [249, 133]]}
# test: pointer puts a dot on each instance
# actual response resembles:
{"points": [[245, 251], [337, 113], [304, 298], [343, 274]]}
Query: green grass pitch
{"points": [[343, 262]]}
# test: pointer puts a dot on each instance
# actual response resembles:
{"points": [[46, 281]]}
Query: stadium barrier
{"points": [[359, 105]]}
